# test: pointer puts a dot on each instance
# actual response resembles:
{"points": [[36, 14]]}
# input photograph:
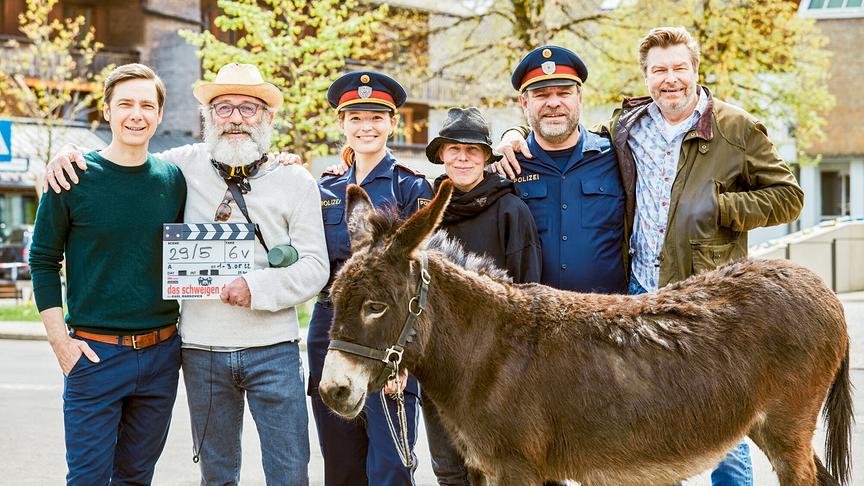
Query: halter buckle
{"points": [[391, 352], [415, 302]]}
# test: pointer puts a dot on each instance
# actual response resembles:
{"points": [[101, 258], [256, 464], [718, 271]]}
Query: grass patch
{"points": [[20, 312]]}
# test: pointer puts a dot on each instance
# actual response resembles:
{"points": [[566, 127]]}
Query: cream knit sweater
{"points": [[286, 205]]}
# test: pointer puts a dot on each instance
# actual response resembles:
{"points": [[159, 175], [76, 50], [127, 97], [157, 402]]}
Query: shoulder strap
{"points": [[241, 203]]}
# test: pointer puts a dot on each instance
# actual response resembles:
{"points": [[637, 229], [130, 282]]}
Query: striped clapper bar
{"points": [[198, 260]]}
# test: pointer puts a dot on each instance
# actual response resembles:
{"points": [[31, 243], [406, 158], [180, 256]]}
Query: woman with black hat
{"points": [[487, 216], [362, 452]]}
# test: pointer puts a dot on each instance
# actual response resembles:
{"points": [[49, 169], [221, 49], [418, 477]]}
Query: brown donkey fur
{"points": [[540, 384]]}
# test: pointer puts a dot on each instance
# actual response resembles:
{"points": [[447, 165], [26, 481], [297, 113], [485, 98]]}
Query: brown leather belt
{"points": [[137, 341]]}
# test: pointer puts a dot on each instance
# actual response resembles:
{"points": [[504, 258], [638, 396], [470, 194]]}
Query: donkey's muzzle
{"points": [[343, 385]]}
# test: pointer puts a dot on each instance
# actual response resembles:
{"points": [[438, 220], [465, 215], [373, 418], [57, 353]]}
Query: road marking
{"points": [[26, 387]]}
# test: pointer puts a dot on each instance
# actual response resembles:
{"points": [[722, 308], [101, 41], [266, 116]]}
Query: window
{"points": [[832, 8], [835, 193]]}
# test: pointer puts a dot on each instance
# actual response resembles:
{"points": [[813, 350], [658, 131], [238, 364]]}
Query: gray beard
{"points": [[555, 134], [237, 153]]}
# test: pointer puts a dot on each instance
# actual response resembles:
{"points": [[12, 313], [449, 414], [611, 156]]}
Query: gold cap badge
{"points": [[547, 53], [364, 78]]}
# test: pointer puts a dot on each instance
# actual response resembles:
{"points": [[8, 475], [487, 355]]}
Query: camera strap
{"points": [[237, 192]]}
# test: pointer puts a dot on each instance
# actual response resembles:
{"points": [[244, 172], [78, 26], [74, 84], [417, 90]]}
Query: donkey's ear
{"points": [[412, 235], [359, 209]]}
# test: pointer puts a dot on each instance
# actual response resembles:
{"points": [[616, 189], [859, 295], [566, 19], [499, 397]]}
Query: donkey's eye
{"points": [[374, 308]]}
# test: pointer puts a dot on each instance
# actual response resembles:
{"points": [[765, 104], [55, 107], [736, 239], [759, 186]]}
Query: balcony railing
{"points": [[439, 90], [103, 58]]}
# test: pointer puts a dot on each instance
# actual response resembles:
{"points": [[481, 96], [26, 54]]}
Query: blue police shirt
{"points": [[579, 212], [388, 184]]}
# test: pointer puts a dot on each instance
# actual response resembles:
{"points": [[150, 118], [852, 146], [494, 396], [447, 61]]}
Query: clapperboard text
{"points": [[198, 260]]}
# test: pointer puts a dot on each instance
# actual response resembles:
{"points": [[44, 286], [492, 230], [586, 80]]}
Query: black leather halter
{"points": [[392, 356]]}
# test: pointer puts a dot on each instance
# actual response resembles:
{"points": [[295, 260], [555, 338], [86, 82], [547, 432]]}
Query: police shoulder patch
{"points": [[422, 202]]}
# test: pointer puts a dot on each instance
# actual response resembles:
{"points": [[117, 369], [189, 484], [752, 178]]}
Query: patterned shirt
{"points": [[656, 146]]}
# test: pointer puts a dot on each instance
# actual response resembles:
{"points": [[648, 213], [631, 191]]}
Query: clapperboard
{"points": [[198, 260]]}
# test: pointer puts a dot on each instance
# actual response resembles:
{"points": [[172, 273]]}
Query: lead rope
{"points": [[401, 442]]}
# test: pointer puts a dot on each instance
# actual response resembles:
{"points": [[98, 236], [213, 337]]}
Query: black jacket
{"points": [[492, 220]]}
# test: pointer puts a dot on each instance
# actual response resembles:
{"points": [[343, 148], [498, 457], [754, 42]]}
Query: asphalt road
{"points": [[31, 427]]}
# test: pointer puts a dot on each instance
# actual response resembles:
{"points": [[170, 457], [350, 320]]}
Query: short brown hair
{"points": [[667, 37], [132, 71]]}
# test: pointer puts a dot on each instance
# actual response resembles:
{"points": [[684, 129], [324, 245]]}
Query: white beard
{"points": [[237, 153]]}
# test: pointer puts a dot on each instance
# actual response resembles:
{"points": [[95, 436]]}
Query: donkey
{"points": [[538, 384]]}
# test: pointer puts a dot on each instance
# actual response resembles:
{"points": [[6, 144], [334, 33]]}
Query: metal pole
{"points": [[834, 265], [788, 251]]}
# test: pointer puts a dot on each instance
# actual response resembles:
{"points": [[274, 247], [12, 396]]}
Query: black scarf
{"points": [[466, 205], [240, 174]]}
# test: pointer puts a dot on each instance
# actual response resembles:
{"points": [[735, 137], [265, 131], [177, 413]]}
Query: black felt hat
{"points": [[462, 126]]}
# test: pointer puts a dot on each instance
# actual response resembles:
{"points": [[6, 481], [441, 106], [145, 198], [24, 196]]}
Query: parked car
{"points": [[16, 249]]}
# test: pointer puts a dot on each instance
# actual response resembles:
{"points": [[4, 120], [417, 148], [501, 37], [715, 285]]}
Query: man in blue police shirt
{"points": [[572, 185]]}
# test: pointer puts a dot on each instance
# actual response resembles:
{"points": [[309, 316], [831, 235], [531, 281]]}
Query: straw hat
{"points": [[242, 79]]}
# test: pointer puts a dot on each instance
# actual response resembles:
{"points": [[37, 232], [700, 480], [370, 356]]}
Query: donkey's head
{"points": [[374, 296]]}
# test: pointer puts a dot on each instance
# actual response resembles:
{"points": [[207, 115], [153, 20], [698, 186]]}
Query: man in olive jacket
{"points": [[707, 174], [707, 171]]}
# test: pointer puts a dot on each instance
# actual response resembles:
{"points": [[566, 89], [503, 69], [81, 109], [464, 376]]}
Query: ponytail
{"points": [[347, 154]]}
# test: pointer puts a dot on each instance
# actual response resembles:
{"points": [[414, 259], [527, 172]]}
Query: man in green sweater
{"points": [[122, 357]]}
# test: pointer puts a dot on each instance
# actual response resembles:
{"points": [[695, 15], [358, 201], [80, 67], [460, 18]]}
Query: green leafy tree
{"points": [[301, 47], [47, 76], [758, 54]]}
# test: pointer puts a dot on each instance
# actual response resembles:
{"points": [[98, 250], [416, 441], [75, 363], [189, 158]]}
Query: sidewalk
{"points": [[31, 330]]}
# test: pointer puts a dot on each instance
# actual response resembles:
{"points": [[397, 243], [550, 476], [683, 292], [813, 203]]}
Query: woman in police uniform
{"points": [[362, 451]]}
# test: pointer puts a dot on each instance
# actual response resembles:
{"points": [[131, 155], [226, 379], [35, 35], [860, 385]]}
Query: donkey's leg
{"points": [[787, 443], [516, 472], [477, 478], [823, 477]]}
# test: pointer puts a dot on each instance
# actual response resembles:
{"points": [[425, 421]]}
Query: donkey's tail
{"points": [[839, 419]]}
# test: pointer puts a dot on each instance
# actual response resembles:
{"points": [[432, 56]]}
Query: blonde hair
{"points": [[667, 37], [132, 71]]}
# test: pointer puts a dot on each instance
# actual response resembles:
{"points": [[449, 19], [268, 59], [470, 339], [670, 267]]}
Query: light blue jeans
{"points": [[271, 380], [735, 469]]}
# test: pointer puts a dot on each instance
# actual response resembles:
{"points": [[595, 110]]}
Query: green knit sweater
{"points": [[110, 228]]}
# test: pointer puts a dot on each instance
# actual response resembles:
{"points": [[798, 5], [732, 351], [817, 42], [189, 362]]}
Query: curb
{"points": [[22, 337]]}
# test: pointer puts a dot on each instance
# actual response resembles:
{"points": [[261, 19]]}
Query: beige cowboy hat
{"points": [[243, 79]]}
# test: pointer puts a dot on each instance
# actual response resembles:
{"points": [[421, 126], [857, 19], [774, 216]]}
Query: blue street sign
{"points": [[5, 141]]}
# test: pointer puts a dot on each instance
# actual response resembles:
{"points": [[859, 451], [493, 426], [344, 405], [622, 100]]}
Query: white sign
{"points": [[199, 260]]}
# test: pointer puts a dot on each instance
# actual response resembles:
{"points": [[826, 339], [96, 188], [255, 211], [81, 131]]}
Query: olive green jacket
{"points": [[730, 179]]}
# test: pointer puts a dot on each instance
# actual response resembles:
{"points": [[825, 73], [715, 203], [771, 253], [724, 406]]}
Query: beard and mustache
{"points": [[554, 132], [236, 153]]}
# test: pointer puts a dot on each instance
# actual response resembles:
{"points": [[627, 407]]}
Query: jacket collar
{"points": [[384, 169], [634, 108]]}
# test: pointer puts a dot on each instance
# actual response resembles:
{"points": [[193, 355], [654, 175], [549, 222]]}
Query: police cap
{"points": [[549, 66], [366, 91]]}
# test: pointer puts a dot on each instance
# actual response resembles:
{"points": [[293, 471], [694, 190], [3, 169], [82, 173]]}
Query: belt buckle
{"points": [[135, 342]]}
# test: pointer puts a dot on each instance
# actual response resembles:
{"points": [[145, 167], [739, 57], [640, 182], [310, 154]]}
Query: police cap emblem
{"points": [[364, 91], [548, 67], [364, 78], [547, 53]]}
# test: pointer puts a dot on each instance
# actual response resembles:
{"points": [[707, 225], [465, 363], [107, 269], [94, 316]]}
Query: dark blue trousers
{"points": [[359, 452], [116, 412]]}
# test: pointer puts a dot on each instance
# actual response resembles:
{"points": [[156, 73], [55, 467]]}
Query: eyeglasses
{"points": [[223, 211], [225, 110]]}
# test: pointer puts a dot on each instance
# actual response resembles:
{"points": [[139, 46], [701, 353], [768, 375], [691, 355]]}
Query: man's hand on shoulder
{"points": [[287, 158], [336, 169], [511, 143], [63, 162]]}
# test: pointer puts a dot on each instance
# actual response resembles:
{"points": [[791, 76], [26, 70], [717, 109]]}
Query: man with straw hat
{"points": [[247, 345]]}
